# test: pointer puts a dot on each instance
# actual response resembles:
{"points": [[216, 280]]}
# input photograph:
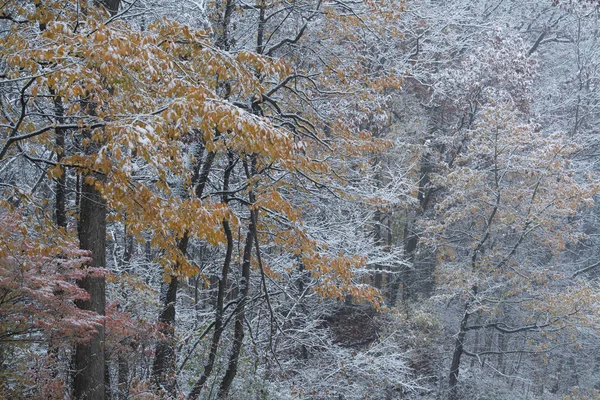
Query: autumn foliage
{"points": [[186, 139], [38, 294], [248, 175]]}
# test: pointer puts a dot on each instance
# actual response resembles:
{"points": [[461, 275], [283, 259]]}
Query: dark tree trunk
{"points": [[456, 356], [411, 241], [219, 325], [60, 214], [165, 349], [128, 246], [123, 378], [164, 361], [112, 6], [122, 362], [502, 347], [78, 195], [238, 335], [411, 275], [107, 386], [379, 241], [61, 181], [88, 382]]}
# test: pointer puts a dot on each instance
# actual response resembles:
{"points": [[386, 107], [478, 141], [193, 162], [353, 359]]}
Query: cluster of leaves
{"points": [[38, 295]]}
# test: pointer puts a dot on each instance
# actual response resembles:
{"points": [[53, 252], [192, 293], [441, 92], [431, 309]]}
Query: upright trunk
{"points": [[107, 386], [409, 275], [60, 214], [122, 362], [112, 6], [410, 244], [379, 241], [164, 359], [123, 378], [88, 381], [219, 325], [458, 352], [502, 347], [238, 334], [60, 187]]}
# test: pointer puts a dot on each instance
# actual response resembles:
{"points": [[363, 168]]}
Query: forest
{"points": [[300, 199]]}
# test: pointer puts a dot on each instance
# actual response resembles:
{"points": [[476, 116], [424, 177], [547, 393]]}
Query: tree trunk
{"points": [[164, 359], [219, 326], [107, 386], [61, 181], [88, 382], [411, 242], [122, 362], [238, 335], [458, 351], [123, 379], [112, 6], [502, 347], [379, 241]]}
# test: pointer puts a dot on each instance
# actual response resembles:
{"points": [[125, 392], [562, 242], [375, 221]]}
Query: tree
{"points": [[509, 191], [38, 268]]}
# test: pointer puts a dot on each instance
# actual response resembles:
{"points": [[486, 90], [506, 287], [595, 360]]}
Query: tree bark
{"points": [[61, 181], [458, 352], [219, 325], [122, 362], [123, 384], [502, 347], [112, 6], [379, 241], [107, 386], [164, 360], [88, 382], [238, 335]]}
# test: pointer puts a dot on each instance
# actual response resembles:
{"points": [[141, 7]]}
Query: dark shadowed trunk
{"points": [[88, 381], [456, 356], [61, 181], [164, 359], [379, 241], [219, 309], [122, 361], [219, 325], [238, 334], [107, 387], [112, 6], [410, 276], [123, 384]]}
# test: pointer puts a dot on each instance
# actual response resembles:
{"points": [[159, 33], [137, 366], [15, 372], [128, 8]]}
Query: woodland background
{"points": [[299, 199]]}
